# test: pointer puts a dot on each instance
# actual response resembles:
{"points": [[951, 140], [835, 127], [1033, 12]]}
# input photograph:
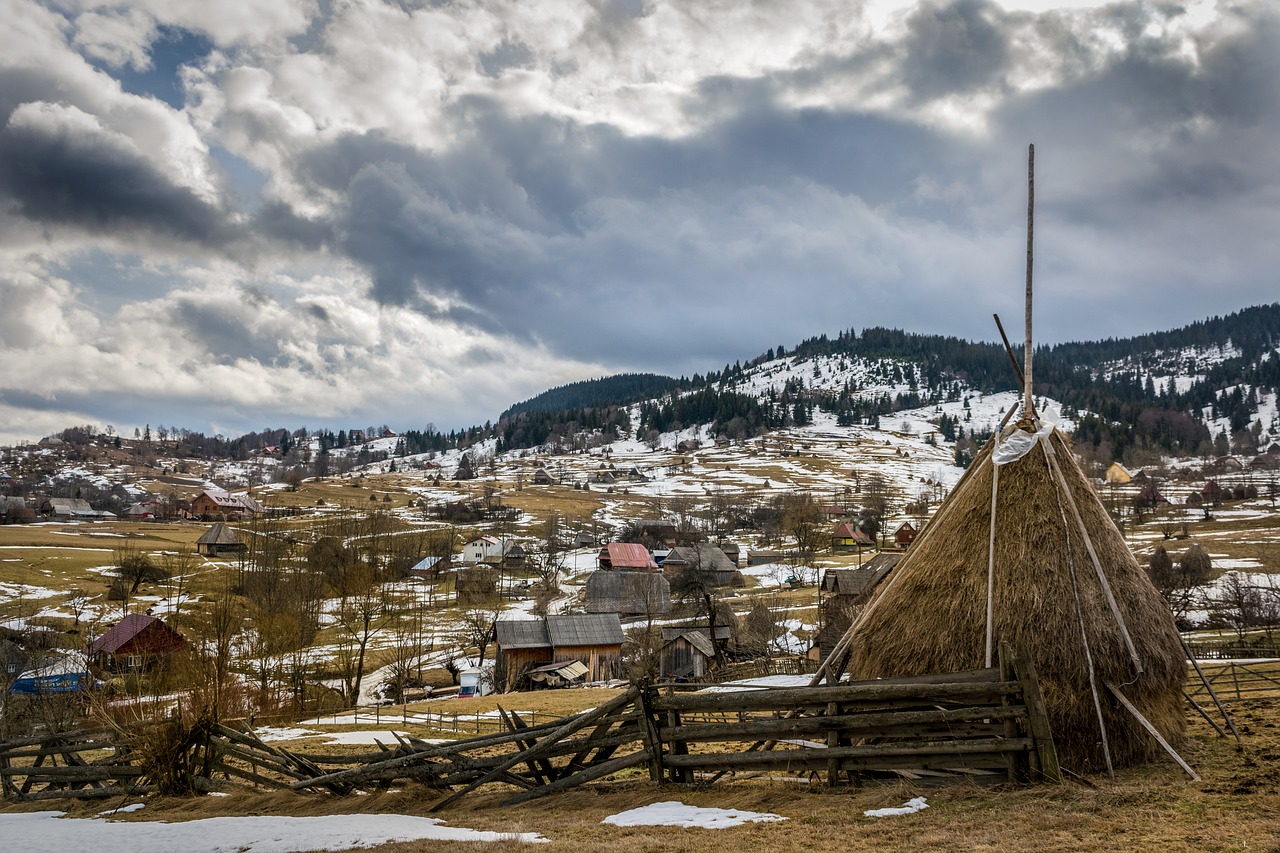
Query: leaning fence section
{"points": [[986, 724]]}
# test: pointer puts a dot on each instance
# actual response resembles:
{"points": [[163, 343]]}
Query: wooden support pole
{"points": [[1031, 208], [1146, 724], [1093, 556], [1213, 694]]}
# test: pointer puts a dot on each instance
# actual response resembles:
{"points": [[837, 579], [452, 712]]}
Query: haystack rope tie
{"points": [[1097, 564], [1084, 636]]}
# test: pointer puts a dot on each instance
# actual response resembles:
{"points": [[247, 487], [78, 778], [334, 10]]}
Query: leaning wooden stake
{"points": [[544, 745], [1213, 694], [1146, 724]]}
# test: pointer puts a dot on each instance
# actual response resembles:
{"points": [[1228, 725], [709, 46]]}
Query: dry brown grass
{"points": [[1235, 807]]}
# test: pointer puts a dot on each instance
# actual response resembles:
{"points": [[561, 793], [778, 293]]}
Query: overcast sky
{"points": [[251, 213]]}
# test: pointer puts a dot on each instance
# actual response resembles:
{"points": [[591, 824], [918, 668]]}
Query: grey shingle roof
{"points": [[522, 634], [585, 629]]}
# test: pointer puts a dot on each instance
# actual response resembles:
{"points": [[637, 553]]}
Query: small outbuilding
{"points": [[218, 540]]}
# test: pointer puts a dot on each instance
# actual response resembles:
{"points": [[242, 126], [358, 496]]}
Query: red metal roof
{"points": [[628, 555]]}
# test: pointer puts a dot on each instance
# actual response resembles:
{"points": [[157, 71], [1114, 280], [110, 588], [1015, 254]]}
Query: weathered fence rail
{"points": [[985, 723]]}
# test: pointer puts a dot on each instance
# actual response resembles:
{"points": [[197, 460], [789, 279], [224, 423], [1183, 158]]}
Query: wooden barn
{"points": [[593, 639], [628, 593], [217, 540], [137, 641], [844, 591], [904, 535], [476, 586], [706, 559]]}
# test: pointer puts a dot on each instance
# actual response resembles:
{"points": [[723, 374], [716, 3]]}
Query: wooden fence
{"points": [[987, 724], [1236, 680]]}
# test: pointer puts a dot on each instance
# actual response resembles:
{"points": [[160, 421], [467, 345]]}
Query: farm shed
{"points": [[686, 655], [219, 539], [593, 639], [136, 642], [66, 674], [477, 585], [627, 593]]}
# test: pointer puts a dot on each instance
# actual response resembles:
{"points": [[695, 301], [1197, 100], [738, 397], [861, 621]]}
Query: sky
{"points": [[265, 213]]}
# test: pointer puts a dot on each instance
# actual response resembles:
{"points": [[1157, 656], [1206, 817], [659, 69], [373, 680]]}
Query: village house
{"points": [[904, 535], [592, 639], [136, 642], [849, 537], [493, 551], [1117, 474], [214, 502]]}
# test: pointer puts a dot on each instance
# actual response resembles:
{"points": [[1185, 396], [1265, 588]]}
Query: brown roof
{"points": [[219, 534], [125, 630]]}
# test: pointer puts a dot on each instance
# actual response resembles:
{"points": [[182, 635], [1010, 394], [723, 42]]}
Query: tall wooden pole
{"points": [[1031, 206]]}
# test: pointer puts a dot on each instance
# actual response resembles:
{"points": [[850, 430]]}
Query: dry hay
{"points": [[930, 615]]}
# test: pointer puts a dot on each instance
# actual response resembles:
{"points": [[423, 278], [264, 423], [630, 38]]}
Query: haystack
{"points": [[930, 615]]}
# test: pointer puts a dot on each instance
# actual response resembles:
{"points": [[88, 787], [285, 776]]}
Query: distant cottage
{"points": [[137, 641]]}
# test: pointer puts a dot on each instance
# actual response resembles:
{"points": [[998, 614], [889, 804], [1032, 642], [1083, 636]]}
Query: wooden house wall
{"points": [[511, 662], [602, 662]]}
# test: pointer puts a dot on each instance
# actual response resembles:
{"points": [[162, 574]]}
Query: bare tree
{"points": [[477, 629], [362, 616]]}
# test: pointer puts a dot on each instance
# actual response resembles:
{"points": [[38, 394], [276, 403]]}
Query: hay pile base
{"points": [[930, 614]]}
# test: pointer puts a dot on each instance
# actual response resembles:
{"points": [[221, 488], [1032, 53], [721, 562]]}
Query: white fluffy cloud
{"points": [[419, 212]]}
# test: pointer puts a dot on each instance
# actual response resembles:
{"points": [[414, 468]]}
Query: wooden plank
{"points": [[596, 771], [941, 750], [539, 768], [92, 793], [83, 773], [1037, 719], [650, 734], [848, 725], [818, 697]]}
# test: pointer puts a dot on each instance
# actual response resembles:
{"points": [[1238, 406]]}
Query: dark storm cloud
{"points": [[506, 55], [227, 330], [52, 181], [954, 47], [528, 225], [59, 175]]}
